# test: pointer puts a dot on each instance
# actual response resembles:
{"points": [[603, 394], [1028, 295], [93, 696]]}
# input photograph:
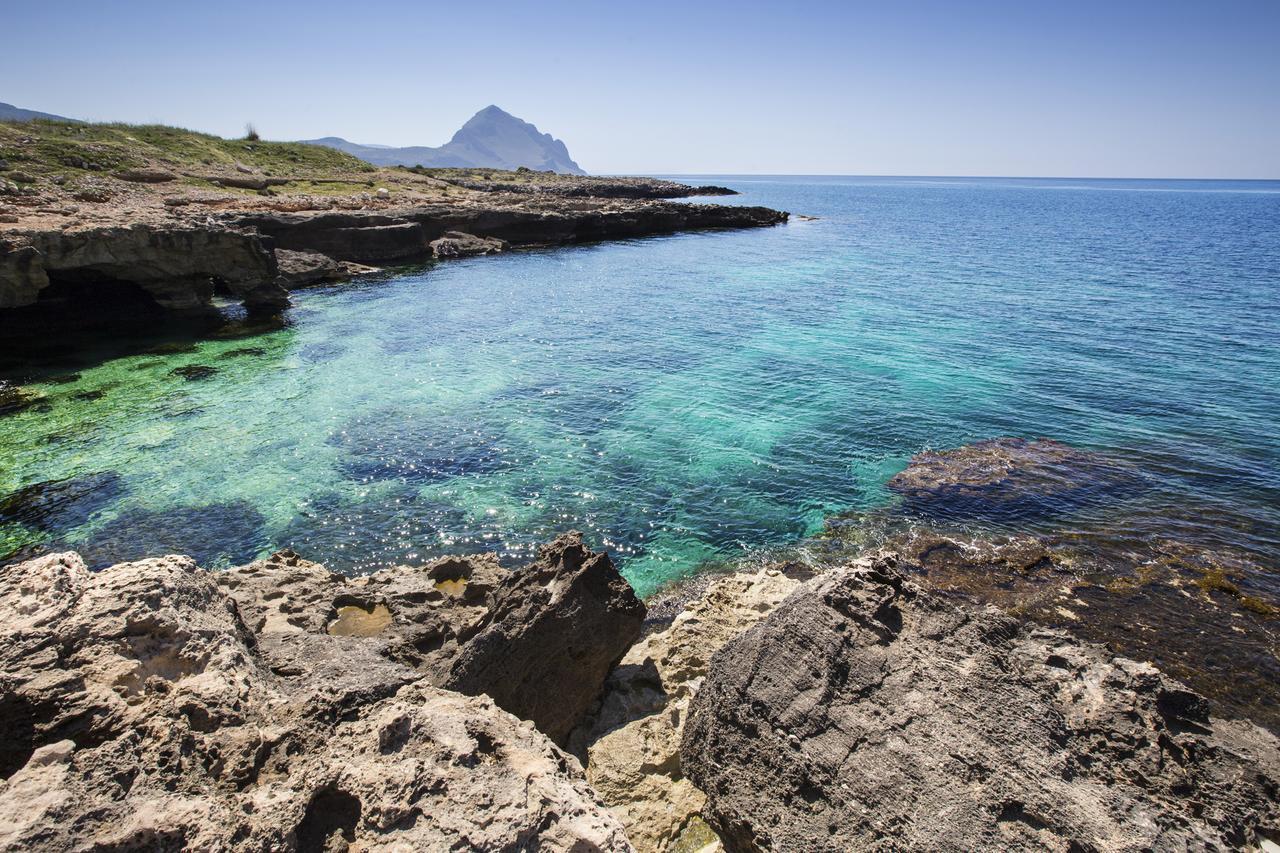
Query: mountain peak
{"points": [[492, 138]]}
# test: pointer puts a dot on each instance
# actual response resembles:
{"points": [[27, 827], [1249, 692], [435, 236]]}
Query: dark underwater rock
{"points": [[868, 713], [383, 446], [211, 533], [1010, 480], [194, 372], [59, 505]]}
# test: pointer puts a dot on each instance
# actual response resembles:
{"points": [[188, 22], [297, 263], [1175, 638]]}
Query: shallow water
{"points": [[684, 400]]}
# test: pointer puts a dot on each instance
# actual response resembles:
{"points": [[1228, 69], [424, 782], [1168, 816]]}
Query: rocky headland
{"points": [[96, 219]]}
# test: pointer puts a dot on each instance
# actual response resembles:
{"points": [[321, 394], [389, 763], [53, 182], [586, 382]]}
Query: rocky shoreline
{"points": [[856, 703], [94, 221]]}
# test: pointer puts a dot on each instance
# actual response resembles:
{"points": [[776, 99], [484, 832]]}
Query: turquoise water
{"points": [[689, 399]]}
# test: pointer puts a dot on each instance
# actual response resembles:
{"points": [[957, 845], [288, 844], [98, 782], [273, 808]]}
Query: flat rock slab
{"points": [[865, 713]]}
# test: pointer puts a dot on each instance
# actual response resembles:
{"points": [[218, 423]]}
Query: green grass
{"points": [[61, 147]]}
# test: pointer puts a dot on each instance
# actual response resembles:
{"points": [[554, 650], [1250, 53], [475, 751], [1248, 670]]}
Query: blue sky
{"points": [[1127, 89]]}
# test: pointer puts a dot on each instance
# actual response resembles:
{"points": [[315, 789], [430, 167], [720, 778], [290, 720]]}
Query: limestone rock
{"points": [[864, 713], [173, 265], [632, 741], [539, 640], [22, 273], [459, 244], [298, 269], [140, 711]]}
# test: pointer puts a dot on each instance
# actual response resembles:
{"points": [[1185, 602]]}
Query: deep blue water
{"points": [[692, 398]]}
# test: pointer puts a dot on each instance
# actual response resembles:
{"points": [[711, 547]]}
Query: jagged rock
{"points": [[140, 711], [302, 268], [1009, 479], [631, 743], [865, 713], [459, 244], [539, 640]]}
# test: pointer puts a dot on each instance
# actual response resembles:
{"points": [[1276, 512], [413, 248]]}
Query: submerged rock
{"points": [[56, 505], [140, 711], [194, 372], [212, 534], [1009, 479], [867, 713]]}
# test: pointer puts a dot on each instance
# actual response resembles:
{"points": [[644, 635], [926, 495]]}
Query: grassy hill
{"points": [[49, 148]]}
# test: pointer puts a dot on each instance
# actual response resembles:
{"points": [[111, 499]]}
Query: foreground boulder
{"points": [[539, 640], [865, 713], [143, 708], [631, 742]]}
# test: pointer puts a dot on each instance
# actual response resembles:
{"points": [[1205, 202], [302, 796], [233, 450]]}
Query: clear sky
{"points": [[1035, 87]]}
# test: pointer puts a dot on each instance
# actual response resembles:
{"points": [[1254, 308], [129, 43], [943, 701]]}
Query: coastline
{"points": [[88, 227]]}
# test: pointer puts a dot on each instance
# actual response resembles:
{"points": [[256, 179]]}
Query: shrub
{"points": [[251, 132]]}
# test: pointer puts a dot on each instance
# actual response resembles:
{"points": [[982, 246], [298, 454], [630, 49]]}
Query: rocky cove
{"points": [[1007, 644], [862, 699]]}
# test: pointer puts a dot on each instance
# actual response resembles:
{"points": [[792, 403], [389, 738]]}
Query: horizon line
{"points": [[929, 177]]}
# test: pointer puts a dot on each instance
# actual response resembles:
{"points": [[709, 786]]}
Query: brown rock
{"points": [[459, 244], [140, 711], [865, 713], [146, 176]]}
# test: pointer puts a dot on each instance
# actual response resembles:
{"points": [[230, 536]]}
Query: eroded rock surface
{"points": [[175, 265], [866, 713], [631, 743], [459, 244], [144, 708], [539, 640]]}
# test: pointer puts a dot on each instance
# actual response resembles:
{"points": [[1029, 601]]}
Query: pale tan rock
{"points": [[140, 710], [632, 744]]}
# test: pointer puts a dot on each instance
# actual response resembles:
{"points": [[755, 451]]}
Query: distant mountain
{"points": [[492, 139], [8, 112]]}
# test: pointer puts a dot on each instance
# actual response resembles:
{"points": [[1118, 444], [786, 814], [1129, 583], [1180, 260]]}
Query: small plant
{"points": [[251, 133]]}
